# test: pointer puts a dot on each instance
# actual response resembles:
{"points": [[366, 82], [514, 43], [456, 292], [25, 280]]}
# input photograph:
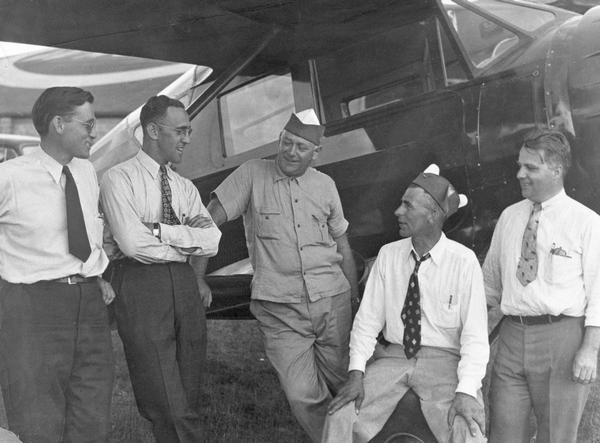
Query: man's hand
{"points": [[205, 292], [108, 293], [584, 365], [351, 390], [198, 221], [469, 408]]}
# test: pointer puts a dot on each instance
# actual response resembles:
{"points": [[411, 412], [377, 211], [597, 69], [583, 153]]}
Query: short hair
{"points": [[432, 206], [156, 107], [59, 100], [554, 145]]}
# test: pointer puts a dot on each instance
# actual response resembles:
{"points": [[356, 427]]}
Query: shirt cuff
{"points": [[357, 364], [469, 387]]}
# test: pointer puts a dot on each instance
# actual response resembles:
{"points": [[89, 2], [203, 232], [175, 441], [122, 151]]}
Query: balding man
{"points": [[425, 293], [304, 272]]}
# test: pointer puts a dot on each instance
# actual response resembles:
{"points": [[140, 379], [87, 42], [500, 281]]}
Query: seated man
{"points": [[425, 293]]}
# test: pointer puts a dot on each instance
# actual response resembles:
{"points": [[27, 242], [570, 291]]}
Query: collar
{"points": [[553, 201], [150, 165], [436, 252], [51, 165], [278, 174]]}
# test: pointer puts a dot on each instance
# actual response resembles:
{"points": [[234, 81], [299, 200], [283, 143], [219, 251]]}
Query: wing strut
{"points": [[226, 76]]}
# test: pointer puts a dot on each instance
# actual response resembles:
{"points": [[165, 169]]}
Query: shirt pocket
{"points": [[562, 269], [320, 231], [448, 314], [268, 223]]}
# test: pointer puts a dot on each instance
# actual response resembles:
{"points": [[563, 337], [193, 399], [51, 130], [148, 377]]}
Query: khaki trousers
{"points": [[533, 368], [307, 344], [431, 375]]}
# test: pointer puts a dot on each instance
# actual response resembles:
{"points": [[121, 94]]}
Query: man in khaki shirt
{"points": [[304, 273]]}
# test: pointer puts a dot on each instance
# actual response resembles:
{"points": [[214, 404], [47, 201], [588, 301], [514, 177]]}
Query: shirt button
{"points": [[298, 224], [296, 201], [302, 249]]}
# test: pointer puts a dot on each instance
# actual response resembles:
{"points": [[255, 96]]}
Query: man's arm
{"points": [[199, 263], [348, 267], [586, 359], [351, 390]]}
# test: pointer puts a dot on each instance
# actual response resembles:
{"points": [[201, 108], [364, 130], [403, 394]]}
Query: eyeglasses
{"points": [[181, 132], [89, 124]]}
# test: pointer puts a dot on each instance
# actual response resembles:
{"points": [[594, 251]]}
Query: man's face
{"points": [[414, 213], [295, 154], [539, 179], [79, 131], [174, 132]]}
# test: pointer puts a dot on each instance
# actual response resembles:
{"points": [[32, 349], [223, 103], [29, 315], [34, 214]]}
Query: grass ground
{"points": [[242, 399]]}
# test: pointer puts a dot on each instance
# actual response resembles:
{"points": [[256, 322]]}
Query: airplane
{"points": [[398, 85]]}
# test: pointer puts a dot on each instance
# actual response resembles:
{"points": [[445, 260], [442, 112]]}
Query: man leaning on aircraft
{"points": [[304, 272], [425, 293], [543, 269]]}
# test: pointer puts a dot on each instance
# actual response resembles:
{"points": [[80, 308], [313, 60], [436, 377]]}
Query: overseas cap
{"points": [[306, 124], [441, 190]]}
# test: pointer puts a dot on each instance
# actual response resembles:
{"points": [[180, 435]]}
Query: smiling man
{"points": [[55, 339], [543, 269], [425, 296], [304, 273], [159, 228]]}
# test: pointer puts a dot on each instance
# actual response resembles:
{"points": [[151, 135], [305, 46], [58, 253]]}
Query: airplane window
{"points": [[386, 69], [252, 115], [483, 40], [453, 68]]}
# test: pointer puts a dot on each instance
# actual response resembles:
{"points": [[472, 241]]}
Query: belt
{"points": [[536, 319], [74, 279]]}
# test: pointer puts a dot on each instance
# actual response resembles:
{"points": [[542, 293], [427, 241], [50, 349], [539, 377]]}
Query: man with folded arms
{"points": [[543, 270], [159, 232], [55, 341], [425, 293]]}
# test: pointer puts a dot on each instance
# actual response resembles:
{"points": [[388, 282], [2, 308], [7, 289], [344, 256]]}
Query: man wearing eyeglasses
{"points": [[159, 228], [55, 343], [542, 270]]}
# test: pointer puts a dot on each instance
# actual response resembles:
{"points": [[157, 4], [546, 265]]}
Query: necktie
{"points": [[79, 244], [411, 312], [528, 262], [168, 214]]}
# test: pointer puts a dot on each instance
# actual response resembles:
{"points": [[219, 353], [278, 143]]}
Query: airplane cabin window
{"points": [[484, 40], [253, 114], [386, 69], [453, 68]]}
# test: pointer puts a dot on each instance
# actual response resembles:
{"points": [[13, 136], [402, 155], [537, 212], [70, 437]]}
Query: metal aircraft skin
{"points": [[399, 85]]}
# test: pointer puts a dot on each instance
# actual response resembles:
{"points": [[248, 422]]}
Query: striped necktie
{"points": [[411, 312], [79, 245], [168, 214]]}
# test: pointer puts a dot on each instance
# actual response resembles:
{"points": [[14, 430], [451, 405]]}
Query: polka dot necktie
{"points": [[411, 312], [79, 245], [528, 262], [168, 214]]}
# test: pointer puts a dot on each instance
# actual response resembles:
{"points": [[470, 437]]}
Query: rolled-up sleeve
{"points": [[337, 224]]}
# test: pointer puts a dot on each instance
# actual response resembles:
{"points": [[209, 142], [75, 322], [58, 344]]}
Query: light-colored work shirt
{"points": [[291, 224], [568, 251], [130, 195], [453, 310], [33, 219]]}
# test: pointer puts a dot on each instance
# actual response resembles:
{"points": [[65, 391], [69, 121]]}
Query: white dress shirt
{"points": [[33, 219], [130, 195], [453, 307], [568, 251]]}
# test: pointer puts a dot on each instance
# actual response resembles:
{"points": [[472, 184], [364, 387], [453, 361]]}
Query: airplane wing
{"points": [[209, 33]]}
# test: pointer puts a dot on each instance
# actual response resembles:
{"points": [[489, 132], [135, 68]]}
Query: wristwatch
{"points": [[156, 230]]}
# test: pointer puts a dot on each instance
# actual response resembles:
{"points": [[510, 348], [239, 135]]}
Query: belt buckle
{"points": [[522, 321], [71, 280]]}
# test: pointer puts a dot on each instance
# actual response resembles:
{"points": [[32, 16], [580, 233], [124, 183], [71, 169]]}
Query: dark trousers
{"points": [[57, 362], [162, 324]]}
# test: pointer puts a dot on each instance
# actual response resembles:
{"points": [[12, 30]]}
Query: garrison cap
{"points": [[440, 189], [306, 124]]}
